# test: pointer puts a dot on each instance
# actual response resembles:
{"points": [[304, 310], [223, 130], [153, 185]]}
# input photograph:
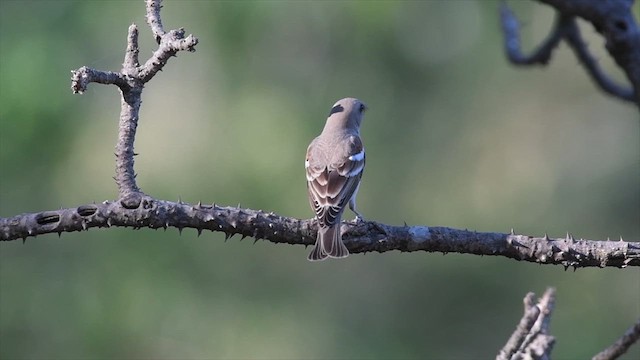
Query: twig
{"points": [[574, 39], [511, 29], [531, 339], [621, 345]]}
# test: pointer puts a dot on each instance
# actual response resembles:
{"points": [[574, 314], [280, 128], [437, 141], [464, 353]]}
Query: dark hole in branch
{"points": [[87, 210], [47, 218]]}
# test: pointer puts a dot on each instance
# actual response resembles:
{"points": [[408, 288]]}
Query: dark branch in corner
{"points": [[359, 237], [621, 345], [531, 339], [613, 19]]}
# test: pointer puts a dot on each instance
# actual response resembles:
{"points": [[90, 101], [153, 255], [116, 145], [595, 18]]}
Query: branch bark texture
{"points": [[359, 237]]}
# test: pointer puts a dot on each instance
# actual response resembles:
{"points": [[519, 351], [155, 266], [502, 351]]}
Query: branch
{"points": [[131, 80], [511, 29], [531, 339], [621, 345], [359, 237], [612, 18]]}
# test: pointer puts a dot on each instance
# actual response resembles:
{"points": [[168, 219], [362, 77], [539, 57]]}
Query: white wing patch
{"points": [[357, 157]]}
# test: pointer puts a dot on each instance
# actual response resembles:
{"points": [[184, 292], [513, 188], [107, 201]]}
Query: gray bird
{"points": [[334, 166]]}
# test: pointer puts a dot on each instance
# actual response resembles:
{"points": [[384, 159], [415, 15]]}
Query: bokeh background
{"points": [[455, 136]]}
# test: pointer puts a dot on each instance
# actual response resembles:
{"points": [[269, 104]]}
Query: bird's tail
{"points": [[329, 244]]}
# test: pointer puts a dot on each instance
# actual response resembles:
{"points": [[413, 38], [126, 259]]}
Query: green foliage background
{"points": [[455, 136]]}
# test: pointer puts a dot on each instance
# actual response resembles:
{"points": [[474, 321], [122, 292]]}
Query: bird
{"points": [[334, 165]]}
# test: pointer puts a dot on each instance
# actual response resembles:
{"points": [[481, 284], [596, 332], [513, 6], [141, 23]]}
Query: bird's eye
{"points": [[362, 108]]}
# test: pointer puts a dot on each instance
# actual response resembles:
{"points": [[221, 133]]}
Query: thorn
{"points": [[166, 225], [226, 236], [254, 241], [59, 233], [405, 223], [180, 230], [575, 267], [179, 200], [546, 237], [24, 240], [565, 267], [199, 231], [238, 205], [84, 226], [233, 224], [243, 236], [512, 232], [569, 237], [608, 238], [199, 205], [621, 238]]}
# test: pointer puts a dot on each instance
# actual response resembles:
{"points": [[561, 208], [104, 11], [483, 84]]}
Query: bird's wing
{"points": [[332, 183]]}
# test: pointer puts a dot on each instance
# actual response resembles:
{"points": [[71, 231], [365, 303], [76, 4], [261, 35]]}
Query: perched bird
{"points": [[334, 166]]}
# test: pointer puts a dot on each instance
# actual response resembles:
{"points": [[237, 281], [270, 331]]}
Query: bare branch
{"points": [[612, 18], [579, 47], [621, 345], [81, 78], [531, 339], [131, 62], [171, 43], [153, 19], [511, 29], [359, 237], [131, 80]]}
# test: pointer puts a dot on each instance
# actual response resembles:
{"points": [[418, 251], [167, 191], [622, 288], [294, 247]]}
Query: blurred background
{"points": [[477, 144]]}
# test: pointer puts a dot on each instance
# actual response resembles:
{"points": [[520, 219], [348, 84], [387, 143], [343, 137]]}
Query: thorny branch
{"points": [[360, 237], [611, 18], [137, 210]]}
